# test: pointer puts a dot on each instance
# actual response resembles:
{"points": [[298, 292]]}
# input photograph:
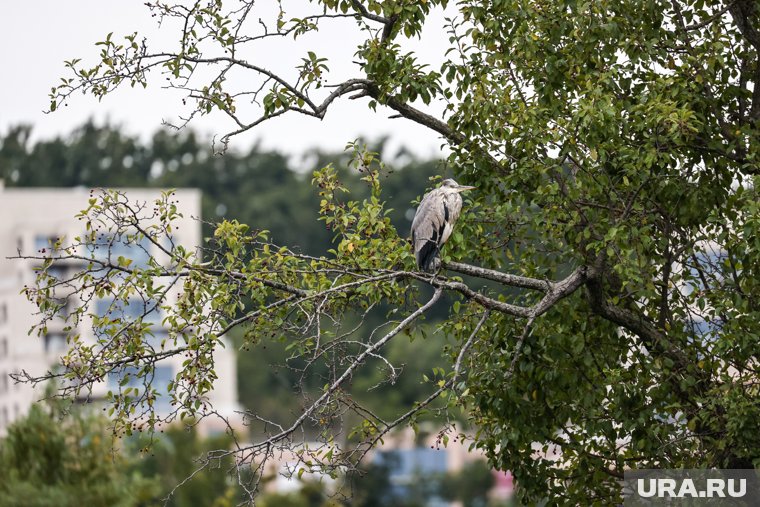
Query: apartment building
{"points": [[32, 218]]}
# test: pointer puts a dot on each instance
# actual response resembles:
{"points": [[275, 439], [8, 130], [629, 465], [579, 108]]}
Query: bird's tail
{"points": [[434, 264], [428, 257]]}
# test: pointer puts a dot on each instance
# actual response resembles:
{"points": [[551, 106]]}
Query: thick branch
{"points": [[482, 300], [433, 123], [560, 290], [555, 291], [744, 13], [638, 324], [497, 276], [418, 116], [366, 14], [745, 16]]}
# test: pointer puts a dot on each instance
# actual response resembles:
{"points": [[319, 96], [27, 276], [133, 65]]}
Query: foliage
{"points": [[49, 459], [171, 460], [67, 457], [470, 485], [311, 494], [615, 143]]}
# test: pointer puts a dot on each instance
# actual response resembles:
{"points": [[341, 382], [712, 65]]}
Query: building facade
{"points": [[31, 219]]}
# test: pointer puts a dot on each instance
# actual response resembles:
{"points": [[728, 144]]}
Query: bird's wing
{"points": [[428, 228], [452, 204], [429, 220]]}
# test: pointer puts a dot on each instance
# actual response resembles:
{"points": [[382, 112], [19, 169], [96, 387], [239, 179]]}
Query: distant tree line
{"points": [[256, 187]]}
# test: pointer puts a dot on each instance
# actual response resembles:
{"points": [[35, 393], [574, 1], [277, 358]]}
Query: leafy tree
{"points": [[615, 148], [372, 488], [171, 459], [49, 459], [470, 485], [91, 156], [252, 186], [66, 457]]}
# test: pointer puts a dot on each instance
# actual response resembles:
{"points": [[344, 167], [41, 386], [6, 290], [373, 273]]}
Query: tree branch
{"points": [[497, 276], [433, 123], [638, 324], [366, 14], [451, 382], [743, 13], [355, 363]]}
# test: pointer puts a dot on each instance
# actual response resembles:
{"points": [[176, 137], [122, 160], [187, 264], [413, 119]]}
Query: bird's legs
{"points": [[437, 264]]}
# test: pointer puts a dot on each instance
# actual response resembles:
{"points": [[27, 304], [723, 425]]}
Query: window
{"points": [[3, 313], [109, 247], [407, 466], [3, 347], [57, 271], [55, 343], [132, 310], [159, 380], [4, 378], [129, 374], [154, 341], [44, 243], [407, 463], [63, 307], [163, 375]]}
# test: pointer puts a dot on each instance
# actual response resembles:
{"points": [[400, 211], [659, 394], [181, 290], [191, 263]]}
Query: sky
{"points": [[36, 36]]}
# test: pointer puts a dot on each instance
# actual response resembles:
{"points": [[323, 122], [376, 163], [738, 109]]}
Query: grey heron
{"points": [[433, 222]]}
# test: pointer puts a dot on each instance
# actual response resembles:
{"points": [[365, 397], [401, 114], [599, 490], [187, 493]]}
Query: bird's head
{"points": [[453, 186]]}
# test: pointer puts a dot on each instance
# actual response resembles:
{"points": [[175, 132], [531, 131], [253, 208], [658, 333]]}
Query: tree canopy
{"points": [[615, 148], [49, 459]]}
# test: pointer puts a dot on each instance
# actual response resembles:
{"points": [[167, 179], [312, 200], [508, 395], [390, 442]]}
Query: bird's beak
{"points": [[462, 188]]}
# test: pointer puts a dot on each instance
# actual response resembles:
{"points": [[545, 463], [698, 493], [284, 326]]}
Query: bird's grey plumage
{"points": [[434, 221]]}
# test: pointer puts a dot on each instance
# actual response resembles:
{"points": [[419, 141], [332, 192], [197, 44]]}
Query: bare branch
{"points": [[451, 382], [336, 384]]}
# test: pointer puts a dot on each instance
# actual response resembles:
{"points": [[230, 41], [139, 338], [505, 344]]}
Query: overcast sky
{"points": [[36, 36]]}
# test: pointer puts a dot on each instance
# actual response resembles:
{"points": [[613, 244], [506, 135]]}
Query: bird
{"points": [[434, 221]]}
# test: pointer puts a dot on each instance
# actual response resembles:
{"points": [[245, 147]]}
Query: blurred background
{"points": [[59, 460]]}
